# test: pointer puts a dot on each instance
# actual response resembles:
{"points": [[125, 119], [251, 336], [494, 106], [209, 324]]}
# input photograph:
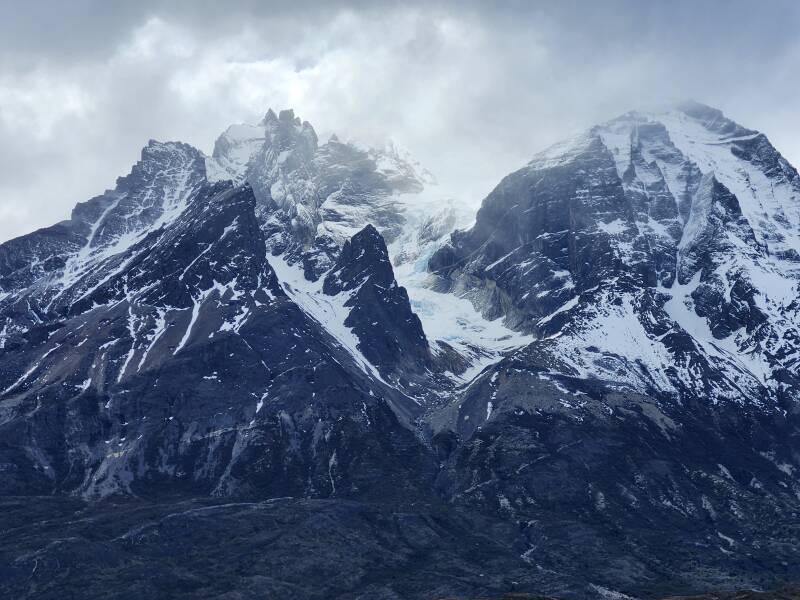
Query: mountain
{"points": [[676, 230], [282, 370]]}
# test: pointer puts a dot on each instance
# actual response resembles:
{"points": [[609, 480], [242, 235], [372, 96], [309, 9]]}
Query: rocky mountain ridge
{"points": [[592, 391], [675, 232]]}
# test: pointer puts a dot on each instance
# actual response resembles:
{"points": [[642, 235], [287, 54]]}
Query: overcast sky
{"points": [[473, 90]]}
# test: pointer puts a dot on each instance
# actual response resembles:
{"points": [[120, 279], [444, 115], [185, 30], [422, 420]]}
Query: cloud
{"points": [[472, 90]]}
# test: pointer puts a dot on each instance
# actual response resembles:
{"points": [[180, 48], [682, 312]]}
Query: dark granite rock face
{"points": [[23, 260], [181, 366], [637, 483], [539, 239], [36, 269], [390, 334], [663, 356], [632, 210]]}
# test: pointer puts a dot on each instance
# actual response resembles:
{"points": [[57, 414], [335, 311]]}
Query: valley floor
{"points": [[61, 548]]}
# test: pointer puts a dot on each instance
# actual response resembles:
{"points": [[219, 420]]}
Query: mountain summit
{"points": [[285, 361], [655, 249]]}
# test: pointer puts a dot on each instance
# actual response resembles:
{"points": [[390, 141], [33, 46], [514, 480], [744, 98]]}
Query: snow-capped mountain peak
{"points": [[680, 219], [610, 347]]}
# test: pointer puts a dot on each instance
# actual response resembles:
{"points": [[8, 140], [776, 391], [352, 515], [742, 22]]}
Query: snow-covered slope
{"points": [[323, 194], [661, 250], [329, 189], [50, 269]]}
